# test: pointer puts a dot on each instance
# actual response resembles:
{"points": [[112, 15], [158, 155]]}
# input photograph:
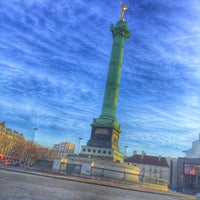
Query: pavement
{"points": [[109, 183]]}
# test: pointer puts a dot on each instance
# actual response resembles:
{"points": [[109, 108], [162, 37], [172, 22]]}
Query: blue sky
{"points": [[54, 58]]}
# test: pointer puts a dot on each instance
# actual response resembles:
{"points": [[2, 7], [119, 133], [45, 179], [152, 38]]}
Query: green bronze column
{"points": [[120, 32], [103, 142], [108, 114]]}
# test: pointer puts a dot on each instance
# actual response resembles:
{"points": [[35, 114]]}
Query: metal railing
{"points": [[113, 175]]}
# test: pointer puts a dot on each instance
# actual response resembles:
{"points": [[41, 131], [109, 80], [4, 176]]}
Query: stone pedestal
{"points": [[103, 142]]}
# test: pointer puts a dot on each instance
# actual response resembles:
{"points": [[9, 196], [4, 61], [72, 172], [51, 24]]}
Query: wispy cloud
{"points": [[54, 59]]}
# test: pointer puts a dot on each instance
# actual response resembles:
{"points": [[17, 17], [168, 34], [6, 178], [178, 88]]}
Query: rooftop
{"points": [[148, 160]]}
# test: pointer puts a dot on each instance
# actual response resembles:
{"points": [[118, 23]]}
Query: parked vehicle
{"points": [[6, 163], [16, 164], [198, 196]]}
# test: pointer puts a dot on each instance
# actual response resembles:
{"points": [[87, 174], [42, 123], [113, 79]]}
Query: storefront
{"points": [[189, 175]]}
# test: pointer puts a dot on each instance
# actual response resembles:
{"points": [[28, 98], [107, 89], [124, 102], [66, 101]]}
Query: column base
{"points": [[101, 154]]}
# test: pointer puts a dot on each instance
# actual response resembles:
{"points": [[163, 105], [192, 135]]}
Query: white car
{"points": [[198, 196]]}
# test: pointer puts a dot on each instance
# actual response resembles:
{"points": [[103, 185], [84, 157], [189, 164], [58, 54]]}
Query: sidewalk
{"points": [[108, 183]]}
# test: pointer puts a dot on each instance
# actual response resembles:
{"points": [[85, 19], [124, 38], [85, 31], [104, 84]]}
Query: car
{"points": [[6, 163], [198, 196]]}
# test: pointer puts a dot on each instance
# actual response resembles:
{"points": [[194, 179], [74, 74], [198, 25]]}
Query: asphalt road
{"points": [[23, 186]]}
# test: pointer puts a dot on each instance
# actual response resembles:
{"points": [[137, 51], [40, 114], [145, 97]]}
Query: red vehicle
{"points": [[4, 160], [6, 163]]}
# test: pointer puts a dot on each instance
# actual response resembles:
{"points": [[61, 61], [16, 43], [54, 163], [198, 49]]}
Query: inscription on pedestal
{"points": [[101, 131], [104, 137]]}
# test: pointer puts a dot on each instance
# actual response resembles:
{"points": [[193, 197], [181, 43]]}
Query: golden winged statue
{"points": [[124, 8]]}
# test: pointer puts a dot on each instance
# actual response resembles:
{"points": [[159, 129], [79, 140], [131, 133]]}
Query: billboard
{"points": [[191, 169]]}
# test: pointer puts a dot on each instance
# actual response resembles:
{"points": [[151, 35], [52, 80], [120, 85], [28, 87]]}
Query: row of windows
{"points": [[66, 150], [97, 151], [152, 170]]}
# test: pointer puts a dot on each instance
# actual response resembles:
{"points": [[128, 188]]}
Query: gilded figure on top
{"points": [[124, 8]]}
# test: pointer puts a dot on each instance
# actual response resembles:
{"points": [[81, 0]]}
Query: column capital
{"points": [[121, 29]]}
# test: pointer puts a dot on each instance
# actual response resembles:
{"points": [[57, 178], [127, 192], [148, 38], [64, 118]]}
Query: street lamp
{"points": [[125, 147], [30, 150], [79, 148], [35, 130]]}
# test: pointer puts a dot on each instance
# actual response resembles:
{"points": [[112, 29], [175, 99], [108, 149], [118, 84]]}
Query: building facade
{"points": [[194, 151], [188, 169], [188, 177], [64, 149], [152, 166], [173, 165], [10, 140]]}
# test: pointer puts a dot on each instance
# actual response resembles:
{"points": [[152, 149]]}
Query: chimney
{"points": [[143, 154], [159, 158], [134, 152]]}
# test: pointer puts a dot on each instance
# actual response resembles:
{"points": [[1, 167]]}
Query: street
{"points": [[23, 186]]}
